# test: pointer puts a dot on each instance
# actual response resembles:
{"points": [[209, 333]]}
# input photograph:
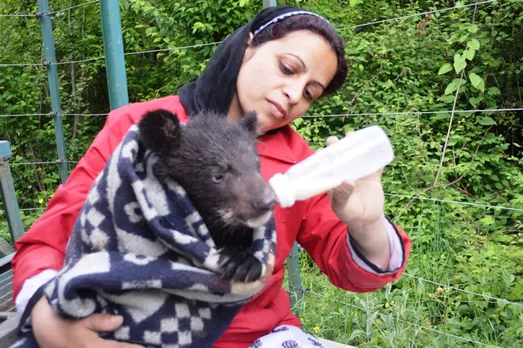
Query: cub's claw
{"points": [[238, 264]]}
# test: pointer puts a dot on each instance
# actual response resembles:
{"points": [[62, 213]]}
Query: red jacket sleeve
{"points": [[324, 237]]}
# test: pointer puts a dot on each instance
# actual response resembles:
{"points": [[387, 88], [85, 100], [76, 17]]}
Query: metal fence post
{"points": [[50, 62], [114, 53], [295, 288], [269, 3], [12, 210]]}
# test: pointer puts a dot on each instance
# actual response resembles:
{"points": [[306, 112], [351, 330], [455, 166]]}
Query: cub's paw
{"points": [[238, 264]]}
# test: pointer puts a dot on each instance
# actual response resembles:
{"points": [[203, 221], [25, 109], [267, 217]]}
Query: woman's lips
{"points": [[276, 110]]}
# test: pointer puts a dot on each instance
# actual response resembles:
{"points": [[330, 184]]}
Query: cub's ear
{"points": [[160, 131], [250, 122]]}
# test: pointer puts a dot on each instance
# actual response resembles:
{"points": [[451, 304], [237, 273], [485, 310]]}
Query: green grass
{"points": [[449, 248]]}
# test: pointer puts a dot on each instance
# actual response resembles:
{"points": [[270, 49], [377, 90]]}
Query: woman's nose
{"points": [[293, 92]]}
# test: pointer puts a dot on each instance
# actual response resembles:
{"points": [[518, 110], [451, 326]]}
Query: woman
{"points": [[278, 64]]}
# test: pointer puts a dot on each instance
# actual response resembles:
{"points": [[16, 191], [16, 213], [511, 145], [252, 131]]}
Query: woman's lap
{"points": [[287, 336]]}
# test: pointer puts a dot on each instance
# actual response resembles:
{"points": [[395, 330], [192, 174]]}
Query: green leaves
{"points": [[473, 28], [493, 91], [459, 63], [474, 101], [453, 86], [469, 54], [445, 68], [473, 44], [393, 67], [460, 60], [477, 82], [487, 121]]}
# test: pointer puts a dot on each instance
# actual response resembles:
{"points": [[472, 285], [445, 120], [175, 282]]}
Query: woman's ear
{"points": [[249, 40], [249, 51]]}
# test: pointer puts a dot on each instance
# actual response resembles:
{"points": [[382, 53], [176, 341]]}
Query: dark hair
{"points": [[316, 25]]}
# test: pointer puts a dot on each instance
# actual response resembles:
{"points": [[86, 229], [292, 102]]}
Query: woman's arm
{"points": [[325, 237]]}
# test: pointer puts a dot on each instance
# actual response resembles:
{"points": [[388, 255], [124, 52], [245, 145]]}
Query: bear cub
{"points": [[216, 162]]}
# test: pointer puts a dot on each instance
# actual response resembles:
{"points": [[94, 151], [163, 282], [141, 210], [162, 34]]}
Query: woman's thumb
{"points": [[103, 322]]}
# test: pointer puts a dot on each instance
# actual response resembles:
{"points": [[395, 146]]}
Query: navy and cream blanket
{"points": [[140, 249]]}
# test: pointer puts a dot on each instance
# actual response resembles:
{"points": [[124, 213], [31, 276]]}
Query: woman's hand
{"points": [[360, 204], [53, 331]]}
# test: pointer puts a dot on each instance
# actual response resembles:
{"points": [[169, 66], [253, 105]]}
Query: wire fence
{"points": [[485, 296], [218, 42], [467, 6], [418, 113], [57, 161], [329, 299], [39, 14], [479, 205], [410, 197], [385, 113]]}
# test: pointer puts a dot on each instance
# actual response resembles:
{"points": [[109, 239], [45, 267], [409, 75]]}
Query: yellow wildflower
{"points": [[316, 329], [389, 304], [41, 200]]}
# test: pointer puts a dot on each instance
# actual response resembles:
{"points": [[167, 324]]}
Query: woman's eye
{"points": [[308, 94], [285, 69], [217, 178]]}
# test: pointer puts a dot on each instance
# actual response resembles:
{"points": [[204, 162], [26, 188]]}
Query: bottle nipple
{"points": [[281, 187]]}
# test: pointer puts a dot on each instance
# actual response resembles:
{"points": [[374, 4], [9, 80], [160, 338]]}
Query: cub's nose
{"points": [[266, 203]]}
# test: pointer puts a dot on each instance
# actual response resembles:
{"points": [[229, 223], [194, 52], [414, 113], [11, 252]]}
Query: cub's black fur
{"points": [[216, 162]]}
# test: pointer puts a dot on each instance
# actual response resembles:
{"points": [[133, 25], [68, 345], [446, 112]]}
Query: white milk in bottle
{"points": [[351, 158]]}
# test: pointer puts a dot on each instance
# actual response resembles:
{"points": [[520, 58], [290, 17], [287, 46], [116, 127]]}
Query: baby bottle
{"points": [[351, 158]]}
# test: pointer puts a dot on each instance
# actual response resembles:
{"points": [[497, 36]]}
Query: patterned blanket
{"points": [[139, 249]]}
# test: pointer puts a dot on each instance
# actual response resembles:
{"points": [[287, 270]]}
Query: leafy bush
{"points": [[406, 75]]}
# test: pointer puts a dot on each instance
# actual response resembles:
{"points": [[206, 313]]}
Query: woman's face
{"points": [[281, 78]]}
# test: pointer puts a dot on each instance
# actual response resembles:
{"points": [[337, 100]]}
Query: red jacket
{"points": [[312, 223]]}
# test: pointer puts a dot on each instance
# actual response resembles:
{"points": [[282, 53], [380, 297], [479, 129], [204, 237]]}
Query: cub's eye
{"points": [[217, 178]]}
